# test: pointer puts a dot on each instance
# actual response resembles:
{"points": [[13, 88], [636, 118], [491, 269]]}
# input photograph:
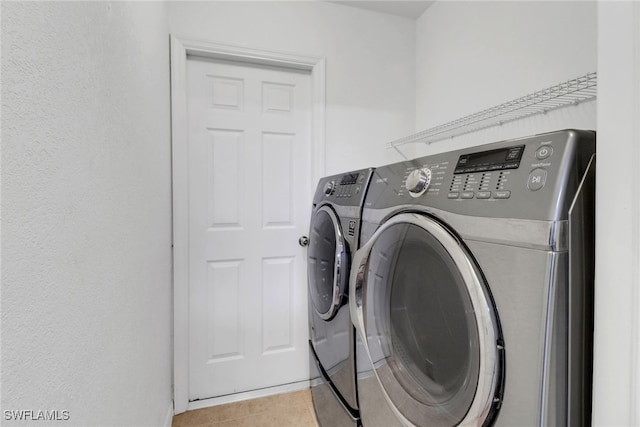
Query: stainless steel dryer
{"points": [[333, 238], [473, 290]]}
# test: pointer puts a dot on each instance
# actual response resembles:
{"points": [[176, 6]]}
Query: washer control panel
{"points": [[504, 179], [488, 175]]}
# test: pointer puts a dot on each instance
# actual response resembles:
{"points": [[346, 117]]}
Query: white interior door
{"points": [[249, 174]]}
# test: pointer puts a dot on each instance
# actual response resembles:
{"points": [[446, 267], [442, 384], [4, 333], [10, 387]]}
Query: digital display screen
{"points": [[351, 178], [504, 158]]}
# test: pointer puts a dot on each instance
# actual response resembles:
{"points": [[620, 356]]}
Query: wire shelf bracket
{"points": [[571, 92]]}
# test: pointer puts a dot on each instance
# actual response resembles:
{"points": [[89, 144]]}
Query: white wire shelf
{"points": [[571, 92]]}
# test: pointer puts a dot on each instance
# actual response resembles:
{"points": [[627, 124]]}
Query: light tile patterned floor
{"points": [[282, 410]]}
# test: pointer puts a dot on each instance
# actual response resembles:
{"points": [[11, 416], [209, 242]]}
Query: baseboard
{"points": [[253, 394], [168, 420], [316, 382]]}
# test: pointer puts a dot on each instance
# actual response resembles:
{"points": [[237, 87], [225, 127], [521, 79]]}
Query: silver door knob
{"points": [[303, 241]]}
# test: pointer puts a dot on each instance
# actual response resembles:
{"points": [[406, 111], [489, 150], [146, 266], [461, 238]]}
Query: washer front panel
{"points": [[432, 332]]}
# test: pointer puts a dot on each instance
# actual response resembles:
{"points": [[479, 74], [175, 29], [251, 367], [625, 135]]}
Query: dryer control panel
{"points": [[346, 189], [347, 186]]}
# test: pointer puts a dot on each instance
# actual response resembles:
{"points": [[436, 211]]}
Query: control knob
{"points": [[329, 187], [418, 181]]}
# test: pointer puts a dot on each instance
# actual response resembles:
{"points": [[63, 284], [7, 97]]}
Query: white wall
{"points": [[473, 55], [617, 329], [369, 56], [86, 212]]}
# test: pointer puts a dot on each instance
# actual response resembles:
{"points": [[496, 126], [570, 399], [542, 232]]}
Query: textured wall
{"points": [[86, 211], [370, 59]]}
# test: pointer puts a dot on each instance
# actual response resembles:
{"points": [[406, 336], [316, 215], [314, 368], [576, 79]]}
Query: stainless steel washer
{"points": [[473, 290]]}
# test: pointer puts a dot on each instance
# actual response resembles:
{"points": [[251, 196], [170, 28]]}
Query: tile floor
{"points": [[282, 410]]}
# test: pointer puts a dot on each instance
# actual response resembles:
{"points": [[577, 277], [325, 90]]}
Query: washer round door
{"points": [[429, 324], [327, 263]]}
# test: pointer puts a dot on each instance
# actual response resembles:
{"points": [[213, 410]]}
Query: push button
{"points": [[502, 194], [537, 179], [544, 152], [453, 195], [514, 153], [511, 165], [483, 194], [467, 195], [352, 227]]}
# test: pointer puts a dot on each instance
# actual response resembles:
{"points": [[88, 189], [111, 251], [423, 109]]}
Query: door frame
{"points": [[180, 49]]}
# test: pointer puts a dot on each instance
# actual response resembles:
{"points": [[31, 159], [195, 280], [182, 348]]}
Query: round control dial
{"points": [[418, 181], [329, 187]]}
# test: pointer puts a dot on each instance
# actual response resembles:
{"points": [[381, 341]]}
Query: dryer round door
{"points": [[429, 324], [328, 259]]}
